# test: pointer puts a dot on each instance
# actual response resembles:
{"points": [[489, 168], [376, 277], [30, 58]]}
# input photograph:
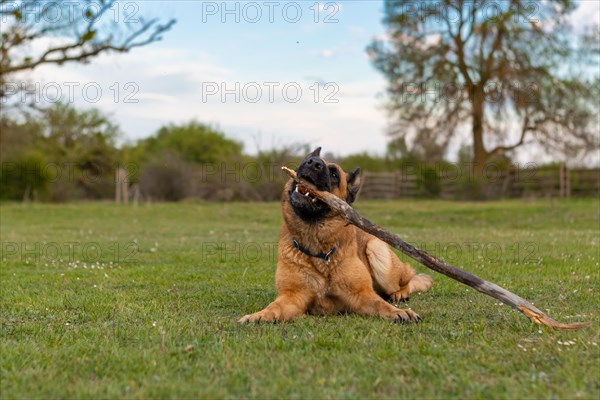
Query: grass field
{"points": [[142, 302]]}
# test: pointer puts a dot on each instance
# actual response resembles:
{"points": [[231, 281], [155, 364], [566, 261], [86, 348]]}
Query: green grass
{"points": [[154, 315]]}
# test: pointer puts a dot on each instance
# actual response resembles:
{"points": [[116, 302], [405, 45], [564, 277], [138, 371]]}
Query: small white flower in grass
{"points": [[154, 324], [566, 343], [189, 348], [95, 286]]}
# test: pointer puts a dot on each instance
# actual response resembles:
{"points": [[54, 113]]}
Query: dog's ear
{"points": [[353, 181], [316, 153]]}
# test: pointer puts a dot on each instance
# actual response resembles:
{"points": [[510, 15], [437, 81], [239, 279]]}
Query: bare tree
{"points": [[69, 31], [509, 72]]}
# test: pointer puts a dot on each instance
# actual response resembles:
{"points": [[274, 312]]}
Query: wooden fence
{"points": [[517, 182]]}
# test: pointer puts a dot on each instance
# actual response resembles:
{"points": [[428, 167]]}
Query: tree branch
{"points": [[81, 49], [502, 149], [460, 54]]}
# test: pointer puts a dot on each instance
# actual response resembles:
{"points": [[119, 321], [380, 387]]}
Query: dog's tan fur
{"points": [[361, 272]]}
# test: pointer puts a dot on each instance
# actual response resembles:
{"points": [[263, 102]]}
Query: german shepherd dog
{"points": [[326, 266]]}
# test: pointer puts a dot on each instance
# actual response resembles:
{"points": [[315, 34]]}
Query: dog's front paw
{"points": [[261, 316], [407, 316], [401, 296]]}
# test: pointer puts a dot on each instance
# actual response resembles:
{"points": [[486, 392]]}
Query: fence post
{"points": [[118, 185], [565, 181], [125, 183], [136, 194], [561, 180], [121, 186]]}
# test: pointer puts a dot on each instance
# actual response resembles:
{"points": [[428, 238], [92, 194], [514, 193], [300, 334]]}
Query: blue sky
{"points": [[207, 50], [288, 47]]}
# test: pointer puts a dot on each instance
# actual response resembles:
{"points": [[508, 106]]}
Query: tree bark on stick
{"points": [[481, 285]]}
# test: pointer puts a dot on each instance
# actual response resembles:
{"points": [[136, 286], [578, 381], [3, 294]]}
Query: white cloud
{"points": [[330, 7], [326, 53], [586, 14], [167, 86]]}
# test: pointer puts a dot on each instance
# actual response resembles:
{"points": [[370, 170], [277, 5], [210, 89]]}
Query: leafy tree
{"points": [[69, 31], [58, 149], [187, 160], [509, 72], [195, 142], [15, 136], [21, 156], [85, 138], [365, 161]]}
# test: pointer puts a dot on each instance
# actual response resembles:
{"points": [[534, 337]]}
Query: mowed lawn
{"points": [[100, 300]]}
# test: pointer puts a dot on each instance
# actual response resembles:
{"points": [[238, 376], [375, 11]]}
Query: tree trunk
{"points": [[479, 153]]}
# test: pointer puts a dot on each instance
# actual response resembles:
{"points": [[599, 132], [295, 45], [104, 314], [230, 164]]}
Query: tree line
{"points": [[62, 153]]}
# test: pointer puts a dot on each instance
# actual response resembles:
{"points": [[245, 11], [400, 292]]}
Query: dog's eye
{"points": [[334, 174]]}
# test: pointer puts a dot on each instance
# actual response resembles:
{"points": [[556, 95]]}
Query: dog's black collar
{"points": [[321, 255]]}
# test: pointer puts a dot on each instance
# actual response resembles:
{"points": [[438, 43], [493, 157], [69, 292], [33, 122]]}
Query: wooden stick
{"points": [[481, 285]]}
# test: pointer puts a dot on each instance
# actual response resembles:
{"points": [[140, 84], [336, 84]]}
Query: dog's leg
{"points": [[397, 279], [357, 294], [285, 308], [369, 303], [416, 283]]}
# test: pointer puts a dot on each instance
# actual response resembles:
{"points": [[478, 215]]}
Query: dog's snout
{"points": [[315, 163], [314, 169]]}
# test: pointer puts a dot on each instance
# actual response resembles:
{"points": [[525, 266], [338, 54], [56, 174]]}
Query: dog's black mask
{"points": [[313, 169]]}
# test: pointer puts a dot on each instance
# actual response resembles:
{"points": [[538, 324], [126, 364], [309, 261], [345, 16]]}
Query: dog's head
{"points": [[325, 176]]}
